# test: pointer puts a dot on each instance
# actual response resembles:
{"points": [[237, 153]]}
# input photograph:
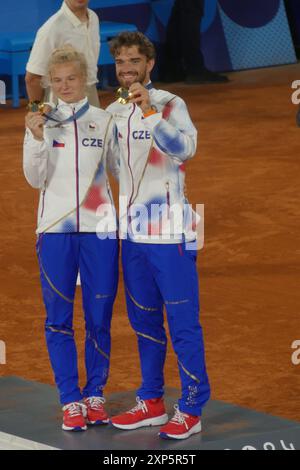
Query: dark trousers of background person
{"points": [[183, 56]]}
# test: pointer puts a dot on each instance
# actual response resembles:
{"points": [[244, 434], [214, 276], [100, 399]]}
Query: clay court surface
{"points": [[247, 173]]}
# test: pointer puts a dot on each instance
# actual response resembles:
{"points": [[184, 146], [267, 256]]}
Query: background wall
{"points": [[236, 34], [25, 16]]}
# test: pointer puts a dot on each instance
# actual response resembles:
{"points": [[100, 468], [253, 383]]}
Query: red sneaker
{"points": [[96, 413], [145, 413], [181, 426], [74, 417]]}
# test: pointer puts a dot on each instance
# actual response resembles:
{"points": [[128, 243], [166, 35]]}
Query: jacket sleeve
{"points": [[176, 135], [35, 158], [113, 151]]}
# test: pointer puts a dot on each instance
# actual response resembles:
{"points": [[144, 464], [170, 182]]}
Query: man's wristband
{"points": [[150, 112]]}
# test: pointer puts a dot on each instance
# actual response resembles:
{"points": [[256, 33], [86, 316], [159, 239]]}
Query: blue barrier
{"points": [[109, 30], [14, 54], [15, 50]]}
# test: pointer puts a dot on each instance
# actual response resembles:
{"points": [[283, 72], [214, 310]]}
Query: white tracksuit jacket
{"points": [[69, 167], [152, 169]]}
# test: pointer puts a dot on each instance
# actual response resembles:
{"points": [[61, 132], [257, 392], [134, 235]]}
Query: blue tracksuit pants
{"points": [[158, 275], [60, 257]]}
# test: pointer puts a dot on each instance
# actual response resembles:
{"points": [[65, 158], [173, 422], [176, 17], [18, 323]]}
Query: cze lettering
{"points": [[92, 143], [141, 135]]}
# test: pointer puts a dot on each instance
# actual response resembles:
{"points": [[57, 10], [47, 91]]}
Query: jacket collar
{"points": [[149, 85], [70, 15], [67, 109]]}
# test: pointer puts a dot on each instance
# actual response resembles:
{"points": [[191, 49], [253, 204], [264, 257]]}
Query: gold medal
{"points": [[36, 106], [123, 95]]}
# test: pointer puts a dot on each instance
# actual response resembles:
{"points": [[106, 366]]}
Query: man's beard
{"points": [[139, 79]]}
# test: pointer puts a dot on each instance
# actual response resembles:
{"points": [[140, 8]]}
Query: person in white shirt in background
{"points": [[74, 24], [66, 156]]}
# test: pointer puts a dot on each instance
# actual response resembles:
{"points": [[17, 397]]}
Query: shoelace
{"points": [[74, 409], [96, 402], [141, 405], [179, 417]]}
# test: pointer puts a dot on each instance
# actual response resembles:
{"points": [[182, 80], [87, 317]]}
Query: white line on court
{"points": [[11, 442]]}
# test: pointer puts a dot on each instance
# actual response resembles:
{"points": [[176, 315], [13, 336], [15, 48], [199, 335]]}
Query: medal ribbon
{"points": [[149, 86], [74, 117]]}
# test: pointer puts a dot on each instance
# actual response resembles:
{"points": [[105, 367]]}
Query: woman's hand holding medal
{"points": [[35, 122]]}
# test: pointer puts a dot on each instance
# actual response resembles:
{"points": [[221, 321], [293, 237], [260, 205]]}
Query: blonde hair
{"points": [[64, 55]]}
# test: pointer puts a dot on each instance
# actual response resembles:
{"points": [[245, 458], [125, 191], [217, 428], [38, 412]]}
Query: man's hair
{"points": [[65, 55], [130, 39]]}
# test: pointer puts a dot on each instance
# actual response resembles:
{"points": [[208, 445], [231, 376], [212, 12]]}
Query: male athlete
{"points": [[156, 138]]}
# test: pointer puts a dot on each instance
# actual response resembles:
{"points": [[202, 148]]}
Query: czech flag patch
{"points": [[58, 144]]}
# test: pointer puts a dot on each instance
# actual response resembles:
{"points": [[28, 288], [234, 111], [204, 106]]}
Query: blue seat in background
{"points": [[15, 50], [109, 30], [14, 53]]}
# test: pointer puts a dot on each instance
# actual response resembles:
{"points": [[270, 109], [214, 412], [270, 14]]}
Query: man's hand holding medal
{"points": [[137, 94]]}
